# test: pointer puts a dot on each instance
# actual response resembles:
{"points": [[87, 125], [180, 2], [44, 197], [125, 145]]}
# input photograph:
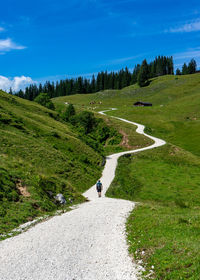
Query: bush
{"points": [[46, 186], [13, 196], [47, 205], [50, 105], [87, 121], [116, 140], [44, 100], [8, 187], [69, 112], [84, 159], [2, 212]]}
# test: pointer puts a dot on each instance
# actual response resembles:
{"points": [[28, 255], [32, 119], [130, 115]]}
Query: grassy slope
{"points": [[166, 226], [175, 112], [82, 102], [42, 154], [164, 230]]}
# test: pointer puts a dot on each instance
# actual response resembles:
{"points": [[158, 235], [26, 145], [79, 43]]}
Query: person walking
{"points": [[99, 187]]}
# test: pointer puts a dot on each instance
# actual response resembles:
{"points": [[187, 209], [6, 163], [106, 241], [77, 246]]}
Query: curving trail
{"points": [[111, 161], [87, 243]]}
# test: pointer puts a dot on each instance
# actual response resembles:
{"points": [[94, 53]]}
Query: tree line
{"points": [[161, 65], [191, 68]]}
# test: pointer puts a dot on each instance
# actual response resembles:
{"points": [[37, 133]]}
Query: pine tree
{"points": [[98, 83], [178, 71], [10, 91], [40, 88], [114, 80], [20, 94], [135, 74], [192, 67], [143, 75], [171, 66], [93, 84], [184, 69], [79, 85]]}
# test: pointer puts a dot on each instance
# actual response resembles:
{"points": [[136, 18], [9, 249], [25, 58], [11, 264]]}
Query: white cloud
{"points": [[186, 56], [121, 60], [188, 27], [16, 83], [189, 54], [8, 45], [1, 29]]}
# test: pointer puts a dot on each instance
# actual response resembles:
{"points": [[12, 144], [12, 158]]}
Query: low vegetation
{"points": [[40, 157], [163, 231], [44, 100], [161, 65]]}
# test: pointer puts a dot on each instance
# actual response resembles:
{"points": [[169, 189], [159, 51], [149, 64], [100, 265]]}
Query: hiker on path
{"points": [[99, 187]]}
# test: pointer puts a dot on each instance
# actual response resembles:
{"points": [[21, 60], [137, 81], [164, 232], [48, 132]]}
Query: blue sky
{"points": [[50, 39]]}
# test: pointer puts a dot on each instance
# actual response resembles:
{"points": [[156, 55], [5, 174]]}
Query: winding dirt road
{"points": [[87, 243]]}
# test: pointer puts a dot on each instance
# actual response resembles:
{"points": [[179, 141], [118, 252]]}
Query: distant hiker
{"points": [[99, 187]]}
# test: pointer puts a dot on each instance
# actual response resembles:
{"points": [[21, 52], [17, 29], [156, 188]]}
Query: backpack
{"points": [[99, 184]]}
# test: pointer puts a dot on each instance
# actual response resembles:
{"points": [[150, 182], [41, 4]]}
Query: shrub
{"points": [[8, 187], [69, 112], [47, 205], [45, 186], [2, 212], [13, 196], [87, 121], [84, 159], [50, 105], [44, 100]]}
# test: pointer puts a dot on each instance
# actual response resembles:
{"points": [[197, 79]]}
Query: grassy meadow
{"points": [[173, 116], [164, 229], [40, 157]]}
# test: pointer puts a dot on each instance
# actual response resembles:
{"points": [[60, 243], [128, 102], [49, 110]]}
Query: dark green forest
{"points": [[161, 65]]}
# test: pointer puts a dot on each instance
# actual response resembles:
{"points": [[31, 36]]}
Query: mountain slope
{"points": [[174, 115], [163, 231], [39, 157]]}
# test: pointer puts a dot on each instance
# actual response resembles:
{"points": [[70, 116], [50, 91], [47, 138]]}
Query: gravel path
{"points": [[87, 243]]}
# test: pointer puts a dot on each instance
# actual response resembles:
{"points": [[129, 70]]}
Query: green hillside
{"points": [[40, 156], [175, 113], [164, 230]]}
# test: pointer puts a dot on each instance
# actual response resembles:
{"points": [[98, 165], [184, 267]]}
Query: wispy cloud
{"points": [[188, 27], [16, 83], [7, 45], [2, 29], [65, 76], [122, 60], [189, 54], [186, 56]]}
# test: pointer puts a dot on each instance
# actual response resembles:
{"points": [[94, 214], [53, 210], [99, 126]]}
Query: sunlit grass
{"points": [[164, 230]]}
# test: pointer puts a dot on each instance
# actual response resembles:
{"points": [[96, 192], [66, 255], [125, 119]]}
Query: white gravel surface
{"points": [[88, 243]]}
